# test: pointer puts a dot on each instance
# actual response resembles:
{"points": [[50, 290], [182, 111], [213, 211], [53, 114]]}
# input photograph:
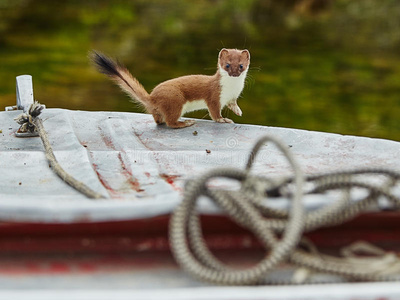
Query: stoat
{"points": [[173, 98]]}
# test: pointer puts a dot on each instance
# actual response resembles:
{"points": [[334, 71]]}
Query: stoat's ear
{"points": [[246, 54], [223, 53]]}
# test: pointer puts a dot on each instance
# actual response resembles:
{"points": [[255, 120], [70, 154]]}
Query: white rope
{"points": [[246, 207], [32, 122]]}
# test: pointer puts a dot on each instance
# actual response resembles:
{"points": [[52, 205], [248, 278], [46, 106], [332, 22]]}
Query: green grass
{"points": [[302, 78]]}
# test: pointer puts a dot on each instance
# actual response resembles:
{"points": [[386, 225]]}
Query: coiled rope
{"points": [[31, 122], [280, 231]]}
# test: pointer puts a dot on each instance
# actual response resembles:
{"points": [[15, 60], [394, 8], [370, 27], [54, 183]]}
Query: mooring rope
{"points": [[31, 122], [279, 231]]}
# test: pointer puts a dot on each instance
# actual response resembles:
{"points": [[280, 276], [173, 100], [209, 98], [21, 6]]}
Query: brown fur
{"points": [[168, 98], [235, 58]]}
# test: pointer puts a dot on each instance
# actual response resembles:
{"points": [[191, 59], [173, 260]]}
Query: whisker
{"points": [[249, 81], [255, 68]]}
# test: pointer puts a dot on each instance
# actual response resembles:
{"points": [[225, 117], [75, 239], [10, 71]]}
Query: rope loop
{"points": [[185, 223], [280, 230]]}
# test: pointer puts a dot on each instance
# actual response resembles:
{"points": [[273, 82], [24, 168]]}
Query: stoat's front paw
{"points": [[224, 120], [236, 110]]}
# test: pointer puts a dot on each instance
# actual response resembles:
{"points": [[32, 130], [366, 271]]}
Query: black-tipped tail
{"points": [[105, 64], [120, 75]]}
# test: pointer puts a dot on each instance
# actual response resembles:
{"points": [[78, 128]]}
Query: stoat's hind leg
{"points": [[181, 124], [158, 118], [172, 115]]}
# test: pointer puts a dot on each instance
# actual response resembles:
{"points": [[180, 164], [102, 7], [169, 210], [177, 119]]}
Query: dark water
{"points": [[319, 65]]}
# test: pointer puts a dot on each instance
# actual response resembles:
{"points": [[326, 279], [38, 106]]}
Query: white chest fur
{"points": [[193, 106], [231, 87]]}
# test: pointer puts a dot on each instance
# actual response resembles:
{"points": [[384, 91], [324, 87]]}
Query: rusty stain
{"points": [[133, 182], [135, 185], [170, 179], [107, 140], [139, 136], [157, 159], [104, 182], [123, 166]]}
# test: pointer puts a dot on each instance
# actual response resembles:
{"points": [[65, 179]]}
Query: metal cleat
{"points": [[24, 101]]}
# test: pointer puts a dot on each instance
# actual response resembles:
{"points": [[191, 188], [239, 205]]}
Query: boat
{"points": [[57, 243]]}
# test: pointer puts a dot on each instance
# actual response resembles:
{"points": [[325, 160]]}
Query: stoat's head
{"points": [[234, 62]]}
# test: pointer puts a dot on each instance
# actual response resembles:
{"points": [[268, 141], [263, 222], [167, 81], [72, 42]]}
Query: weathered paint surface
{"points": [[54, 238], [141, 168]]}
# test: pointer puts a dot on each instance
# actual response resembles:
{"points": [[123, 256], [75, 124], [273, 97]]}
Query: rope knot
{"points": [[280, 231], [26, 120]]}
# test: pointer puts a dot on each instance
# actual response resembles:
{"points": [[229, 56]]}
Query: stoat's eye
{"points": [[241, 67], [227, 66]]}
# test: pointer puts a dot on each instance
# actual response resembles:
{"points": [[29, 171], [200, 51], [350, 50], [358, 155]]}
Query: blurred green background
{"points": [[325, 65]]}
